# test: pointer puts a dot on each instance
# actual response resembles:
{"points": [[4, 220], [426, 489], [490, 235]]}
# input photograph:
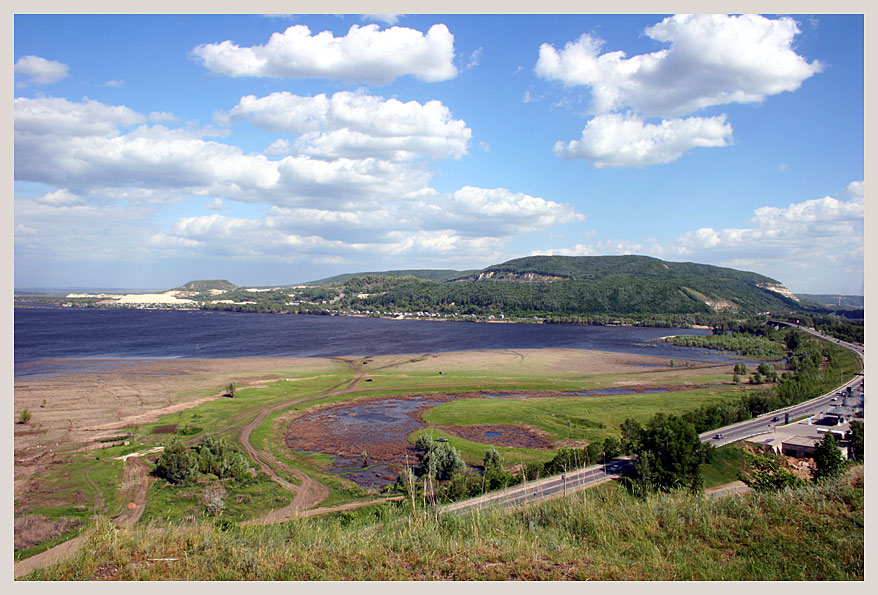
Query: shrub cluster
{"points": [[210, 455], [443, 475]]}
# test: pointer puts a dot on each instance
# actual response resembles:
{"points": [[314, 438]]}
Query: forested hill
{"points": [[580, 285], [600, 267], [426, 274], [595, 289]]}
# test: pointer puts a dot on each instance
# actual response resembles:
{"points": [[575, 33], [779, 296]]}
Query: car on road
{"points": [[775, 418], [719, 436], [614, 467], [441, 439]]}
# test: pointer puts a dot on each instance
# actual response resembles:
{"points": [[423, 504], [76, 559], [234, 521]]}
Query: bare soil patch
{"points": [[537, 362], [169, 429]]}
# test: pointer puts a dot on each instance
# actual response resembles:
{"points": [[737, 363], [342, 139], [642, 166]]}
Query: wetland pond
{"points": [[380, 428]]}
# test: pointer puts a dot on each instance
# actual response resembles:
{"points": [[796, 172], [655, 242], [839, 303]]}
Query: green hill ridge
{"points": [[538, 286], [587, 285]]}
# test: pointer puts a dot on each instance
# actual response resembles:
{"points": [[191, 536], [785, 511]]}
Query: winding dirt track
{"points": [[309, 492]]}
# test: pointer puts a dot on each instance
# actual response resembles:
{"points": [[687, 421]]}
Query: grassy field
{"points": [[588, 418], [810, 533]]}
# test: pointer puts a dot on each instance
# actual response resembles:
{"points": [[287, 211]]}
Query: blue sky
{"points": [[151, 150]]}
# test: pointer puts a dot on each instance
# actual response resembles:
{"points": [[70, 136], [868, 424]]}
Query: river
{"points": [[57, 340]]}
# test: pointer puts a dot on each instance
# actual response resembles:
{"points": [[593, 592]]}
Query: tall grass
{"points": [[810, 533]]}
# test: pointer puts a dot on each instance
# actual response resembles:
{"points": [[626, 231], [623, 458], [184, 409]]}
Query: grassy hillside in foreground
{"points": [[810, 533]]}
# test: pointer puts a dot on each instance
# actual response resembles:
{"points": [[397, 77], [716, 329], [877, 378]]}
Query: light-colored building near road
{"points": [[799, 439]]}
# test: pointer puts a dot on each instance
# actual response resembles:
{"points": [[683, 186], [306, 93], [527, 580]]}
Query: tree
{"points": [[24, 416], [765, 369], [612, 448], [231, 389], [405, 483], [218, 457], [856, 439], [828, 458], [177, 464], [670, 455], [793, 339], [767, 472], [441, 461], [632, 433], [424, 443], [495, 475]]}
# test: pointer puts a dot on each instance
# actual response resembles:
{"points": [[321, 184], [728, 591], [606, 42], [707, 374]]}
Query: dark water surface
{"points": [[77, 334]]}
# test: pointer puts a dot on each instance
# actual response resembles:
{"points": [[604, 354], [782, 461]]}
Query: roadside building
{"points": [[803, 447], [800, 447]]}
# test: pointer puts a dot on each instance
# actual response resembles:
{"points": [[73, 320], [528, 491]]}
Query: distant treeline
{"points": [[745, 344]]}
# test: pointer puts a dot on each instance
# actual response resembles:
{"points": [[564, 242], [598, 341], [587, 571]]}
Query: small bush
{"points": [[214, 499]]}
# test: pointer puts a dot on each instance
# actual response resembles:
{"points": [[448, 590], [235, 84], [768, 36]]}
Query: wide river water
{"points": [[71, 337]]}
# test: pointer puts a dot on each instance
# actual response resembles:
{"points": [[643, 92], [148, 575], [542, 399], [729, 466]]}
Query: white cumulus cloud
{"points": [[80, 147], [365, 54], [494, 211], [809, 231], [59, 117], [806, 245], [357, 125], [110, 164], [615, 140], [35, 70], [712, 60]]}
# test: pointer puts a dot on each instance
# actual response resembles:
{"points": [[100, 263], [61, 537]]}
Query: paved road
{"points": [[765, 423], [550, 487], [591, 476]]}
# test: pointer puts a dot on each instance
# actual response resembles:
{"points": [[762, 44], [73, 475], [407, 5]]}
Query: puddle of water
{"points": [[504, 396], [492, 434]]}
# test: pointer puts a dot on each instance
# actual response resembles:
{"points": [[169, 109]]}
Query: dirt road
{"points": [[135, 485], [308, 493]]}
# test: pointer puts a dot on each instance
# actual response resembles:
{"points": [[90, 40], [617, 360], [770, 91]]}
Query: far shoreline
{"points": [[490, 319]]}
